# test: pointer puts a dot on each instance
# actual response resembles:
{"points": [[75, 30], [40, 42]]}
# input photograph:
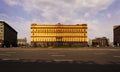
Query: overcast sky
{"points": [[100, 15]]}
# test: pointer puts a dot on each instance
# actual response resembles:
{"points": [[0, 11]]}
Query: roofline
{"points": [[116, 26], [8, 25], [34, 24]]}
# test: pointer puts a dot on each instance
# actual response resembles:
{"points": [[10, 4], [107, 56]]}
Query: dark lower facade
{"points": [[59, 44], [8, 43], [116, 35]]}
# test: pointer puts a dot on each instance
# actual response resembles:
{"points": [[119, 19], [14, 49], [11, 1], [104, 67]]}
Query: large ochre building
{"points": [[57, 35]]}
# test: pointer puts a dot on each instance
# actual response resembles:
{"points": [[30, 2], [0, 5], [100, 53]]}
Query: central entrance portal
{"points": [[59, 41]]}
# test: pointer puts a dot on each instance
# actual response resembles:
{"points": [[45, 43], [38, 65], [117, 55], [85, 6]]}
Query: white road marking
{"points": [[48, 61], [117, 56], [62, 60], [5, 55], [57, 55], [10, 52], [27, 51], [52, 53], [10, 59], [5, 59], [100, 53], [114, 50]]}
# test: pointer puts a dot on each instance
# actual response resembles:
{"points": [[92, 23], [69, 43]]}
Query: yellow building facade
{"points": [[44, 35]]}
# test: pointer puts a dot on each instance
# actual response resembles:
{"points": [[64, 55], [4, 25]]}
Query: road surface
{"points": [[93, 55], [60, 60]]}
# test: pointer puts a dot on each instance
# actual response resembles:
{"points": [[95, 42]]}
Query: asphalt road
{"points": [[60, 60], [93, 55]]}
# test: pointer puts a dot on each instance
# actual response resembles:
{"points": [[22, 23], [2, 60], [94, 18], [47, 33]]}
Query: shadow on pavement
{"points": [[42, 66]]}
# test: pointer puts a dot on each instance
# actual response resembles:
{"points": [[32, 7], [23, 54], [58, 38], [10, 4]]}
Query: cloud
{"points": [[96, 29], [12, 2], [109, 15], [64, 11], [62, 6], [21, 25], [3, 17], [86, 15]]}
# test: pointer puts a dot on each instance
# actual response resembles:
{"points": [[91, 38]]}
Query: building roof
{"points": [[8, 25], [100, 38], [58, 24], [116, 26]]}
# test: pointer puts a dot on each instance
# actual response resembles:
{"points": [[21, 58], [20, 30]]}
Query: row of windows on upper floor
{"points": [[64, 39], [1, 34], [65, 34], [63, 30], [1, 24], [1, 37], [60, 29], [59, 36], [1, 27], [55, 38], [1, 30]]}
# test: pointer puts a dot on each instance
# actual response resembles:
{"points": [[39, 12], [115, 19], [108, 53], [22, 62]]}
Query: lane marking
{"points": [[62, 60], [29, 50], [10, 52], [48, 61], [5, 59], [100, 53], [10, 59], [5, 55], [58, 55], [53, 53], [114, 50], [117, 56]]}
